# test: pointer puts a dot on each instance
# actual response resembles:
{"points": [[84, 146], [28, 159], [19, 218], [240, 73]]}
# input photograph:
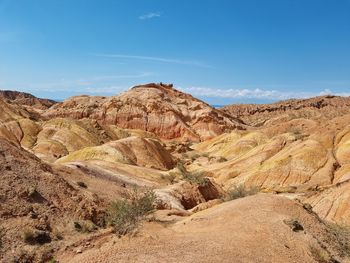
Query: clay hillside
{"points": [[323, 107], [156, 175], [26, 99], [156, 108]]}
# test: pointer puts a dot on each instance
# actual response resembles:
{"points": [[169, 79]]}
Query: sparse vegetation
{"points": [[33, 237], [2, 234], [85, 226], [241, 191], [28, 236], [192, 177], [171, 177], [22, 255], [57, 234], [320, 254], [342, 234], [32, 192], [298, 133], [125, 215]]}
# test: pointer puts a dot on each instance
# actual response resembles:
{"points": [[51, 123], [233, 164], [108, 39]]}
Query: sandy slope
{"points": [[245, 230]]}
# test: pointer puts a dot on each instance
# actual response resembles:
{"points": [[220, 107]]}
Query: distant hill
{"points": [[318, 107], [27, 99]]}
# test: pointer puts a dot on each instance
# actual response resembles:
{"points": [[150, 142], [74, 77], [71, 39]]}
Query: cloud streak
{"points": [[93, 84], [111, 77], [156, 59], [150, 16]]}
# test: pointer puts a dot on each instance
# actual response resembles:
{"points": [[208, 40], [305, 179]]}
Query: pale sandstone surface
{"points": [[251, 229]]}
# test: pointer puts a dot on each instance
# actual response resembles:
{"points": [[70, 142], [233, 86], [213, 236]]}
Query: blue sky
{"points": [[223, 51]]}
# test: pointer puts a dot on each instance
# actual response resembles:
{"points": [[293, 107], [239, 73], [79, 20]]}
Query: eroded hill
{"points": [[63, 163], [323, 107], [157, 108]]}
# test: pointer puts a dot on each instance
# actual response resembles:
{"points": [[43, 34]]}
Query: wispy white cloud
{"points": [[83, 85], [329, 92], [150, 15], [157, 59], [111, 77], [256, 93]]}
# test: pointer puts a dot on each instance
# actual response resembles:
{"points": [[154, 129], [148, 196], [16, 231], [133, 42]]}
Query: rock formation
{"points": [[156, 108], [61, 164]]}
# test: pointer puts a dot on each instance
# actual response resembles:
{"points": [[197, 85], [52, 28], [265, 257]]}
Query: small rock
{"points": [[294, 225], [79, 251], [307, 207]]}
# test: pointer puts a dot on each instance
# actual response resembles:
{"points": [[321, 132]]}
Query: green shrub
{"points": [[240, 192], [125, 215], [192, 177]]}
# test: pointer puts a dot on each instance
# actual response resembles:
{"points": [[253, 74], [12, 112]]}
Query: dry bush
{"points": [[320, 255], [85, 226], [2, 234], [171, 177], [240, 192], [126, 215], [342, 233], [34, 236]]}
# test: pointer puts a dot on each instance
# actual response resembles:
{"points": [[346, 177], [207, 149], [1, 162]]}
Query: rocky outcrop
{"points": [[35, 200], [186, 195], [157, 108], [11, 116]]}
